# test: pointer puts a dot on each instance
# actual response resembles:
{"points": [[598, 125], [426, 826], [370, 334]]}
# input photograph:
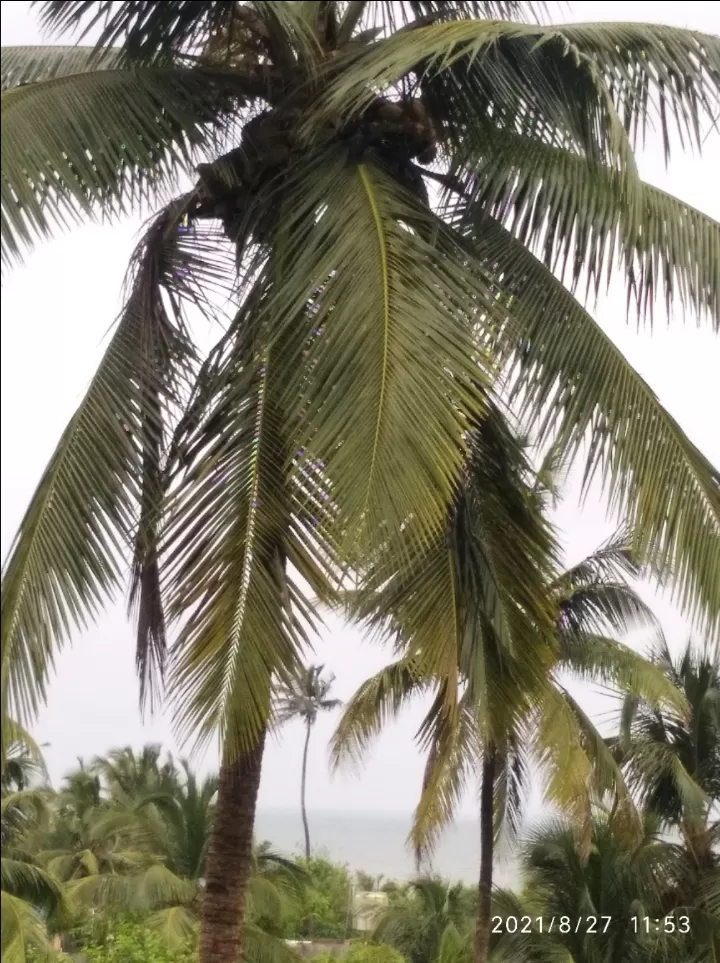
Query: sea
{"points": [[376, 844]]}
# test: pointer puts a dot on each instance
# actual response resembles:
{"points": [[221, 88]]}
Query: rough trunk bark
{"points": [[229, 857], [487, 842], [303, 783]]}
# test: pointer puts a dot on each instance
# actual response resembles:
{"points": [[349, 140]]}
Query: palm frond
{"points": [[175, 925], [37, 64], [600, 659], [378, 700], [19, 748], [613, 561], [262, 947], [607, 776], [387, 343], [548, 85], [512, 785], [24, 936], [29, 882], [658, 76], [454, 755], [264, 899], [66, 559], [607, 607], [136, 891], [100, 140], [146, 32], [565, 754], [574, 386], [237, 520], [583, 220]]}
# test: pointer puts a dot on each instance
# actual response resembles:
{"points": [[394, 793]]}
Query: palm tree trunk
{"points": [[303, 783], [487, 842], [229, 857]]}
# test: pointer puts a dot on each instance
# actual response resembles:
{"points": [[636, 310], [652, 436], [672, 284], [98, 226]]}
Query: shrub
{"points": [[373, 953], [132, 942]]}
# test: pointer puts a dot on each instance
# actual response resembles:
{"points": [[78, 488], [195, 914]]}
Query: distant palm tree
{"points": [[27, 892], [135, 774], [428, 917], [304, 697]]}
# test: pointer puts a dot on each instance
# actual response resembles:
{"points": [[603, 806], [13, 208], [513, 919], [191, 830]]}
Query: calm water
{"points": [[376, 843]]}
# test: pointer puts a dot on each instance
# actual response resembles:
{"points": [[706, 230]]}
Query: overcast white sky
{"points": [[56, 310]]}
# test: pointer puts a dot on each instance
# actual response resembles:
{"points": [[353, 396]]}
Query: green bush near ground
{"points": [[133, 942]]}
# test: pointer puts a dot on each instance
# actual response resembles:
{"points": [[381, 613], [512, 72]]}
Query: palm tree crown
{"points": [[381, 192], [301, 111]]}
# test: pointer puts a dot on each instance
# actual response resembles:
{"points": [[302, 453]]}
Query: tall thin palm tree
{"points": [[381, 191], [305, 697]]}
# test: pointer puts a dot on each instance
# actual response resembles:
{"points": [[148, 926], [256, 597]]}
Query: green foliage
{"points": [[373, 953], [132, 942], [216, 478], [324, 908], [347, 421], [622, 880], [113, 861], [422, 914], [365, 952]]}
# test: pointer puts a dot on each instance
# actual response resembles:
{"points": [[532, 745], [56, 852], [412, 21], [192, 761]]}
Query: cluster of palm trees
{"points": [[399, 201], [129, 834], [126, 835], [643, 894]]}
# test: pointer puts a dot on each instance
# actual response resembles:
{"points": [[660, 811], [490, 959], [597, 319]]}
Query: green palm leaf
{"points": [[588, 85], [573, 384], [23, 932], [99, 139], [377, 701], [237, 521], [66, 559], [612, 663], [580, 217], [31, 65], [657, 76], [464, 63], [388, 345], [145, 33], [452, 741], [175, 925], [262, 947]]}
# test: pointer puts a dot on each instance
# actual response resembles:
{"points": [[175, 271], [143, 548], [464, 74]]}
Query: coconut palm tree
{"points": [[618, 894], [91, 845], [27, 891], [305, 697], [501, 700], [668, 755], [380, 190], [133, 775], [429, 913], [673, 764]]}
